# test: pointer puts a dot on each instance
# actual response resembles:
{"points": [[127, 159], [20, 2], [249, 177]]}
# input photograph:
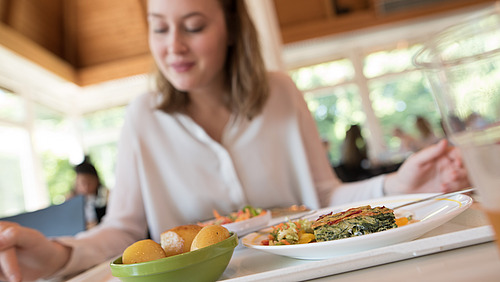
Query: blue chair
{"points": [[65, 219]]}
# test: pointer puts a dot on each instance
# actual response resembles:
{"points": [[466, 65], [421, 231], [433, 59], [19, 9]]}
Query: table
{"points": [[460, 250]]}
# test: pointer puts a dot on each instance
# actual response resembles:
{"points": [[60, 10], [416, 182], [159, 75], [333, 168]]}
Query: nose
{"points": [[176, 43]]}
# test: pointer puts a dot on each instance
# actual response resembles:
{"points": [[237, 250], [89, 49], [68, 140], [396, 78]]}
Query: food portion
{"points": [[353, 222], [178, 240], [209, 235], [142, 251], [245, 213], [288, 233]]}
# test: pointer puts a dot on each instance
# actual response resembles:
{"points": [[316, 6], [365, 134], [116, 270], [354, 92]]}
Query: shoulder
{"points": [[282, 86], [140, 110], [280, 80], [284, 96], [142, 103]]}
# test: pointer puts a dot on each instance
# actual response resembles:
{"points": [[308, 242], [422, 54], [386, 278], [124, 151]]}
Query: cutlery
{"points": [[435, 196]]}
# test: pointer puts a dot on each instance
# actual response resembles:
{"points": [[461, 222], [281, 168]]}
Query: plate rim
{"points": [[461, 206]]}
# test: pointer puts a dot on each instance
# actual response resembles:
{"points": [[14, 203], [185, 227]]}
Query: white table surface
{"points": [[460, 250]]}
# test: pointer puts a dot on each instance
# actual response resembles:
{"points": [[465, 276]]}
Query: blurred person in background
{"points": [[88, 184], [408, 144], [354, 163], [427, 136]]}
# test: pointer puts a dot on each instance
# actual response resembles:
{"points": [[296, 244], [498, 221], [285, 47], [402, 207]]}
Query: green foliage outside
{"points": [[59, 176], [398, 102], [334, 111]]}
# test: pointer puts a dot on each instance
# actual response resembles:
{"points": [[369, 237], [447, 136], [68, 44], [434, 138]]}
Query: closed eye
{"points": [[160, 30], [195, 30]]}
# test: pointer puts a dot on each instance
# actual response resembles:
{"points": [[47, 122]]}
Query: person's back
{"points": [[354, 148], [354, 154]]}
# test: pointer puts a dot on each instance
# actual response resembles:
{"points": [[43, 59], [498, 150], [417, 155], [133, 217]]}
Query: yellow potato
{"points": [[178, 239], [306, 238], [209, 235], [142, 251]]}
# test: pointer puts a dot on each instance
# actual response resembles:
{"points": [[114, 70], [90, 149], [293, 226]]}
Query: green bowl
{"points": [[205, 264]]}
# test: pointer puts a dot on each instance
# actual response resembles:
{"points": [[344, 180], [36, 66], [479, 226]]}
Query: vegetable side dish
{"points": [[245, 213], [353, 222]]}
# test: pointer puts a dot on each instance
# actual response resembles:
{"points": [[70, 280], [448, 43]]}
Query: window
{"points": [[334, 110], [399, 93], [396, 93], [13, 157], [101, 131], [11, 106], [398, 101], [332, 98], [38, 151], [55, 144], [323, 75]]}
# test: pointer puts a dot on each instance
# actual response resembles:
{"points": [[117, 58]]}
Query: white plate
{"points": [[242, 228], [430, 214]]}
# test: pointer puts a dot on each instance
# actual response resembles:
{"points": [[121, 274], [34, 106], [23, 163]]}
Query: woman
{"points": [[220, 133]]}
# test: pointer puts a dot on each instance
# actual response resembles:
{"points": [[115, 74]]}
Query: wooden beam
{"points": [[311, 29], [70, 29], [26, 48], [114, 70], [5, 10]]}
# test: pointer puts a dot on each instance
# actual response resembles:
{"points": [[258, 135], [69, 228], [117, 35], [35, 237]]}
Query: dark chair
{"points": [[65, 219]]}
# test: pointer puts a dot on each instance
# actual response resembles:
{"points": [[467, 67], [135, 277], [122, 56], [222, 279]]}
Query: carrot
{"points": [[216, 214], [402, 221]]}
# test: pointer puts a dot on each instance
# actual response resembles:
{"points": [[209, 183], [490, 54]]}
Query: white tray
{"points": [[469, 228]]}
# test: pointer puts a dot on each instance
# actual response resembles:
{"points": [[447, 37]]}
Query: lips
{"points": [[182, 66]]}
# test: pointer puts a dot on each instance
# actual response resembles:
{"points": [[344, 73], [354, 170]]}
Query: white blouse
{"points": [[170, 172]]}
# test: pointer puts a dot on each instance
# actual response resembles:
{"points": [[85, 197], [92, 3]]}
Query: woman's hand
{"points": [[26, 254], [437, 168]]}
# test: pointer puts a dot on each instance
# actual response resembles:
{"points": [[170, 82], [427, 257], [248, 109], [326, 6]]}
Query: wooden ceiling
{"points": [[92, 41], [84, 41]]}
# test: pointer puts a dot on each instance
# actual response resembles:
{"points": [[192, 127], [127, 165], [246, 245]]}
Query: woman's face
{"points": [[188, 40]]}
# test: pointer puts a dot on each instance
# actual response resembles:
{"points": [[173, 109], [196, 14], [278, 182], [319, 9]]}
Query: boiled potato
{"points": [[178, 239], [142, 251], [209, 235]]}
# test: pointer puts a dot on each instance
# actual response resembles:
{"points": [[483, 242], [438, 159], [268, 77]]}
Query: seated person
{"points": [[87, 183]]}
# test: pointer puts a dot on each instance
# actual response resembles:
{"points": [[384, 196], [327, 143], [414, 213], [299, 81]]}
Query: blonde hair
{"points": [[245, 72]]}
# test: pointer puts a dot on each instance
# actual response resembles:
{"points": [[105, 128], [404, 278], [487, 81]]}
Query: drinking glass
{"points": [[462, 64]]}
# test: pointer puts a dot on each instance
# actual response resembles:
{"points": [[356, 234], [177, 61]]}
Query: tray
{"points": [[468, 228]]}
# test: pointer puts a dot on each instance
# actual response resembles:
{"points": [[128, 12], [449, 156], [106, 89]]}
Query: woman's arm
{"points": [[26, 254]]}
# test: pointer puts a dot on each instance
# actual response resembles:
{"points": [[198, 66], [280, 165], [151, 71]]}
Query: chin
{"points": [[182, 85]]}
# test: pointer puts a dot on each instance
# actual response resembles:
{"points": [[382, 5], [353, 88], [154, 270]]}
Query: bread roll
{"points": [[209, 235], [142, 251], [178, 239]]}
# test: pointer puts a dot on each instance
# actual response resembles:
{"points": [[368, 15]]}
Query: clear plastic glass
{"points": [[462, 64]]}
